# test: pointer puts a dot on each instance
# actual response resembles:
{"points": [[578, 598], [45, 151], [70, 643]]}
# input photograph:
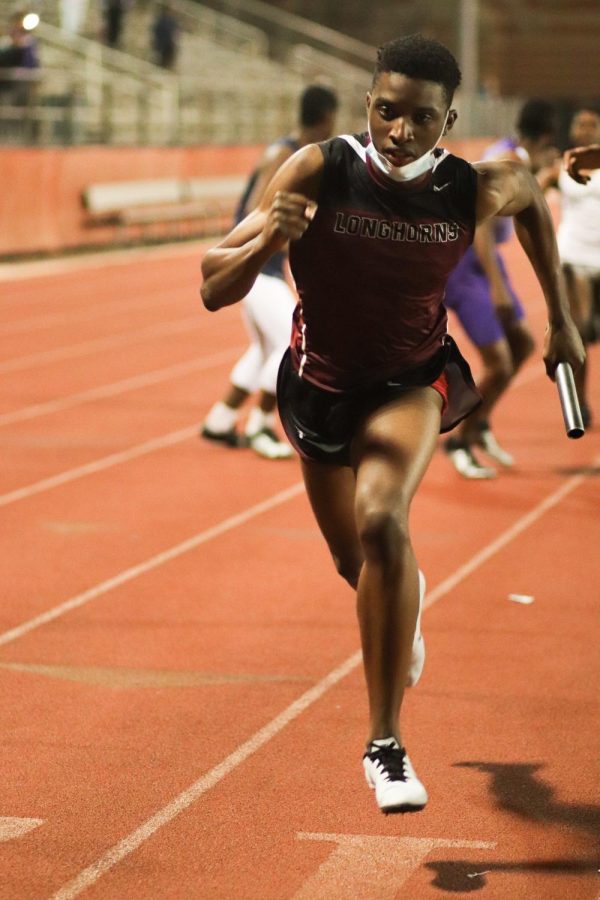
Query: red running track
{"points": [[182, 701]]}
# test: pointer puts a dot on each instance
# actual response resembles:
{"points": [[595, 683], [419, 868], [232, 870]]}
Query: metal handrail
{"points": [[222, 28], [300, 30], [306, 60], [245, 37], [108, 57]]}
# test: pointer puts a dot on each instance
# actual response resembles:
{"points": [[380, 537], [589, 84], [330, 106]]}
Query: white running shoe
{"points": [[389, 771], [418, 648], [266, 443], [490, 445], [465, 462], [231, 438]]}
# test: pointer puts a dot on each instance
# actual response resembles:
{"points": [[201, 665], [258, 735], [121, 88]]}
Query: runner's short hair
{"points": [[420, 57]]}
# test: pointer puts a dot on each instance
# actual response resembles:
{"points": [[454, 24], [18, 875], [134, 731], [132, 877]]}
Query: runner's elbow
{"points": [[209, 299]]}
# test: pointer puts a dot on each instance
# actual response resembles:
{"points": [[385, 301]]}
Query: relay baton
{"points": [[569, 400]]}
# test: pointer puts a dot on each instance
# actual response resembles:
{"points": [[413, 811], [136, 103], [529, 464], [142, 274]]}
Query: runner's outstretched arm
{"points": [[509, 189]]}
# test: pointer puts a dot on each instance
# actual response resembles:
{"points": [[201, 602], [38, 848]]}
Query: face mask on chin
{"points": [[411, 170]]}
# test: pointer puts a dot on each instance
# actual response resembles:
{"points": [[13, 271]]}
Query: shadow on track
{"points": [[517, 790]]}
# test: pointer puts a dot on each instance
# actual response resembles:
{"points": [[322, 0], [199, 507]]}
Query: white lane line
{"points": [[124, 848], [120, 387], [121, 307], [139, 381], [179, 804], [153, 563], [24, 271], [371, 867], [98, 465], [13, 827], [96, 345], [114, 459], [509, 535]]}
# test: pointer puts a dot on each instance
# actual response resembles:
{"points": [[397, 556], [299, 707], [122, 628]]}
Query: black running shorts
{"points": [[321, 424]]}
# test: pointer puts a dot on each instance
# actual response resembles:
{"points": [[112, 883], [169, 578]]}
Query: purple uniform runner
{"points": [[468, 289]]}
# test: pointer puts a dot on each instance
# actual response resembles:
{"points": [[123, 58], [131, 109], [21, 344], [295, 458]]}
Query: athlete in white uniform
{"points": [[269, 305], [579, 239], [579, 230]]}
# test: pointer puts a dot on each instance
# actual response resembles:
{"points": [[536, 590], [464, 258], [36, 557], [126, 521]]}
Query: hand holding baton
{"points": [[569, 401]]}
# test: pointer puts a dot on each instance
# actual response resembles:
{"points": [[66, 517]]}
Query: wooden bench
{"points": [[160, 207]]}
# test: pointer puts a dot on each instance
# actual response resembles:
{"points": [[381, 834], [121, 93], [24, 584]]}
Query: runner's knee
{"points": [[383, 534]]}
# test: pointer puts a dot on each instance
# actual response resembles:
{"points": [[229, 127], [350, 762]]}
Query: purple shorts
{"points": [[468, 296]]}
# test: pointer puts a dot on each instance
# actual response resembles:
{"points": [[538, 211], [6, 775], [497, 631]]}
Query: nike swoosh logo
{"points": [[440, 187]]}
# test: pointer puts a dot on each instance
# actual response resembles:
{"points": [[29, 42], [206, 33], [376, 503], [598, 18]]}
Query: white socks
{"points": [[257, 420], [221, 418]]}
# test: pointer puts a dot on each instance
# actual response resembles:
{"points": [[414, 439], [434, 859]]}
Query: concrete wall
{"points": [[41, 209]]}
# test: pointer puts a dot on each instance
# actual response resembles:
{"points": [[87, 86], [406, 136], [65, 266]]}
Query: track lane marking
{"points": [[202, 537], [13, 827], [509, 535], [42, 268], [120, 387], [372, 867], [152, 563], [134, 452], [121, 307], [124, 848], [97, 345], [131, 842], [99, 465]]}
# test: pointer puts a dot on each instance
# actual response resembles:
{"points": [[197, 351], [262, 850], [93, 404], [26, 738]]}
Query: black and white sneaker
{"points": [[465, 462], [489, 444], [266, 443], [231, 438], [389, 771]]}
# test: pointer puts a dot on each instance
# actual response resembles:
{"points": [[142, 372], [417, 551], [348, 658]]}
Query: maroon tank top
{"points": [[372, 267]]}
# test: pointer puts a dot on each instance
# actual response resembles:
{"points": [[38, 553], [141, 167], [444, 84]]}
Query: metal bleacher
{"points": [[240, 69], [226, 87]]}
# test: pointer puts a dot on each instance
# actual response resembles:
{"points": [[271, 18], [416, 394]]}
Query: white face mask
{"points": [[410, 170]]}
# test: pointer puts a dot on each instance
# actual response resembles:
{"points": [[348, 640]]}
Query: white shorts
{"points": [[267, 311], [581, 254], [591, 272]]}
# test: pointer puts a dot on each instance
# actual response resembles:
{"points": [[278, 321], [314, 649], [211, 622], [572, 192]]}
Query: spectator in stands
{"points": [[269, 307], [165, 36], [18, 53], [18, 50], [114, 13]]}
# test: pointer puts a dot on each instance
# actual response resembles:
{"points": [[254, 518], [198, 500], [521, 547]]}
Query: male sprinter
{"points": [[376, 223]]}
